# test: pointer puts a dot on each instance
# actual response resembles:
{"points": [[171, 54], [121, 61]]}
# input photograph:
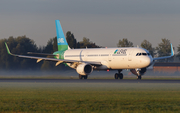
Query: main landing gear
{"points": [[118, 75], [83, 76]]}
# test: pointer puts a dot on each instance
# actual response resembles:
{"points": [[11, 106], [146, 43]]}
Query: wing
{"points": [[53, 59], [172, 54]]}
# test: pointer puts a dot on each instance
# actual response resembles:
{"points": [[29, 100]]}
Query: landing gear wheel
{"points": [[138, 77], [80, 77], [121, 76], [116, 75], [85, 77]]}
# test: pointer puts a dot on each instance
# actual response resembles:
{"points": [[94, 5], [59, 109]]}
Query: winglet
{"points": [[172, 54], [172, 50], [7, 49]]}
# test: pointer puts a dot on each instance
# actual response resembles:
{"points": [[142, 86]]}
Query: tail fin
{"points": [[61, 40]]}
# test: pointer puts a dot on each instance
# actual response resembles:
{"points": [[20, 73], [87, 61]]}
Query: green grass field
{"points": [[89, 97]]}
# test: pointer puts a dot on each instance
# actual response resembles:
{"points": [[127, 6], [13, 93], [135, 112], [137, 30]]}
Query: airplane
{"points": [[86, 60]]}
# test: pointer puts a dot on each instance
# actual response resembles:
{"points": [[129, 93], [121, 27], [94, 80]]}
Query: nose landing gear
{"points": [[139, 77], [83, 76]]}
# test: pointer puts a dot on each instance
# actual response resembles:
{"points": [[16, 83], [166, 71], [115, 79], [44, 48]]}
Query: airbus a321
{"points": [[86, 60]]}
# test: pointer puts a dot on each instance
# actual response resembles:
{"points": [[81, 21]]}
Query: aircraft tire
{"points": [[121, 76], [85, 77], [80, 77], [116, 75], [138, 77]]}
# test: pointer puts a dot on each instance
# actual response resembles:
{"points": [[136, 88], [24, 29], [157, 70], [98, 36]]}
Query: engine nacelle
{"points": [[84, 69], [138, 71]]}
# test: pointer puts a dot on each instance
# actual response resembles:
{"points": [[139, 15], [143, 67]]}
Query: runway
{"points": [[89, 81]]}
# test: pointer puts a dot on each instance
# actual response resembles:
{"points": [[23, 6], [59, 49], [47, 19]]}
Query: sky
{"points": [[104, 22]]}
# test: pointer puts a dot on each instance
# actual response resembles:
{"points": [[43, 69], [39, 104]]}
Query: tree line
{"points": [[163, 48], [22, 44]]}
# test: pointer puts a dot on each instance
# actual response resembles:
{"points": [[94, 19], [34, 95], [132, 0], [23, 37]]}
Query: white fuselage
{"points": [[112, 58]]}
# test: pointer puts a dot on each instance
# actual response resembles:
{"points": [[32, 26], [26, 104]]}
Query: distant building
{"points": [[168, 67]]}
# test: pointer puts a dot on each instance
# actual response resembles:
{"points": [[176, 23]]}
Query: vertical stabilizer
{"points": [[61, 40]]}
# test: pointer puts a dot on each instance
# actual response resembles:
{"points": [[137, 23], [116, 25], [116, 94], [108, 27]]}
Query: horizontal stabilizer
{"points": [[46, 54]]}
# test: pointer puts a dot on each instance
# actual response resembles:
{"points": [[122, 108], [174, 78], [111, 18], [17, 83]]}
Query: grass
{"points": [[89, 97]]}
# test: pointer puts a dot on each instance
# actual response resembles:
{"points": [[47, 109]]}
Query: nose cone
{"points": [[147, 61]]}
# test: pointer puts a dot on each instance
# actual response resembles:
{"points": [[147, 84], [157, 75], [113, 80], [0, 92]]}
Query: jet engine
{"points": [[84, 69], [138, 71]]}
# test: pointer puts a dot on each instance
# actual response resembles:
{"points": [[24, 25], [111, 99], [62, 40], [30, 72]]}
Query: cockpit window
{"points": [[144, 54]]}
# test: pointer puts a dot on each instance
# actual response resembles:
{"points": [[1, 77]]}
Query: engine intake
{"points": [[84, 69]]}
